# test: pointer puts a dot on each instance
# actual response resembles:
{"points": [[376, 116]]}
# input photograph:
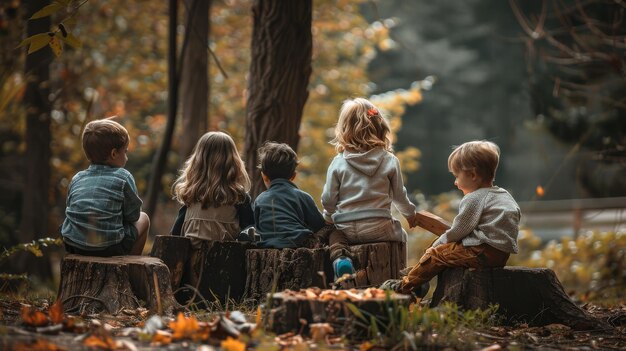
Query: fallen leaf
{"points": [[56, 312], [100, 341], [184, 327], [39, 345], [320, 330], [231, 344], [366, 346], [162, 337], [32, 317]]}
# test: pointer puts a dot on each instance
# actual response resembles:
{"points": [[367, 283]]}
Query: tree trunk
{"points": [[160, 158], [376, 262], [34, 216], [95, 284], [174, 251], [194, 79], [533, 295], [279, 75]]}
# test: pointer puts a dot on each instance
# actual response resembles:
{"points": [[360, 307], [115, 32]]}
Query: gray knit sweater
{"points": [[486, 216], [364, 185]]}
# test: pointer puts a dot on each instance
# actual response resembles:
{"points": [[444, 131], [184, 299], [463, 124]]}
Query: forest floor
{"points": [[137, 330]]}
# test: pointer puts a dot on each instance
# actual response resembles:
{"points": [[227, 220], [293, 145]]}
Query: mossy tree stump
{"points": [[531, 295], [110, 284]]}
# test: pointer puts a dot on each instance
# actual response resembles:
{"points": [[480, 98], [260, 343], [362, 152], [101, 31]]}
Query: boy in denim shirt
{"points": [[284, 216], [103, 213]]}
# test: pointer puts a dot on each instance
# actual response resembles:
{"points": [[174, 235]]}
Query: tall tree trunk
{"points": [[160, 159], [34, 220], [194, 79], [279, 75]]}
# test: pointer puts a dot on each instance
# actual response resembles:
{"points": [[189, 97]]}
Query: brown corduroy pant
{"points": [[436, 259]]}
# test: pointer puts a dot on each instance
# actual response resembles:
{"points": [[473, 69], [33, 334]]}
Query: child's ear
{"points": [[293, 176], [266, 179], [113, 154]]}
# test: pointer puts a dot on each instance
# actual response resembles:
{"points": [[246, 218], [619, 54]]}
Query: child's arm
{"points": [[177, 228], [465, 222], [245, 214], [312, 216], [399, 195], [330, 194], [131, 209]]}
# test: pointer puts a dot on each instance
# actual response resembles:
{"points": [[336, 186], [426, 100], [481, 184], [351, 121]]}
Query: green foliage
{"points": [[423, 326], [591, 266], [33, 247]]}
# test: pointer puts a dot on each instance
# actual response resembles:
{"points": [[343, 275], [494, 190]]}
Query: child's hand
{"points": [[412, 220]]}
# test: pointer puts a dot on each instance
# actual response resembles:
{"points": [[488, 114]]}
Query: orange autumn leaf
{"points": [[540, 191], [184, 327], [39, 345], [231, 344], [162, 337], [56, 313], [32, 317], [366, 346], [258, 316], [103, 342]]}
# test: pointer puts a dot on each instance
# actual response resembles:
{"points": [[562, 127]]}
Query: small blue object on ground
{"points": [[342, 265]]}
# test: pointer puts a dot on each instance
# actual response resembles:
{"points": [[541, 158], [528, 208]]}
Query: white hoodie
{"points": [[363, 186]]}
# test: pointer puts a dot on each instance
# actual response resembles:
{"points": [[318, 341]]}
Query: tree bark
{"points": [[160, 158], [34, 216], [95, 284], [194, 79], [376, 262], [532, 295], [271, 270], [279, 75]]}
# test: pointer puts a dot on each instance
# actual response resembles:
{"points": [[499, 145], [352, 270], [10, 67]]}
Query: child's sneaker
{"points": [[421, 290], [342, 265]]}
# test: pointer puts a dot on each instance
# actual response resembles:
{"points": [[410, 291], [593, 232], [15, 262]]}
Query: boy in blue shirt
{"points": [[284, 216], [103, 212]]}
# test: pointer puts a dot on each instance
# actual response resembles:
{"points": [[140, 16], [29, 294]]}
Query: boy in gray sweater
{"points": [[483, 234]]}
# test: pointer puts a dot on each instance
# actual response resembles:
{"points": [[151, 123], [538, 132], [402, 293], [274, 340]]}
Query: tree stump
{"points": [[218, 270], [271, 270], [347, 316], [174, 251], [96, 284], [530, 295], [376, 262]]}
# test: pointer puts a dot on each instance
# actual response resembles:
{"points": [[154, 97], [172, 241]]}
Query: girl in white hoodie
{"points": [[362, 182]]}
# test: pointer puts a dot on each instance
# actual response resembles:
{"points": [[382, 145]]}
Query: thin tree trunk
{"points": [[194, 79], [160, 159], [279, 76], [34, 216]]}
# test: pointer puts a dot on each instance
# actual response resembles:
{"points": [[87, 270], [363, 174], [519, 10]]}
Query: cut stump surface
{"points": [[110, 284]]}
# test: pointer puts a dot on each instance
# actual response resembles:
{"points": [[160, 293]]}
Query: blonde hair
{"points": [[479, 156], [214, 174], [361, 127], [101, 136]]}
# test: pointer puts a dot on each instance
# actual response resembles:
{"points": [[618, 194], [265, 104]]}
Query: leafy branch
{"points": [[60, 35], [33, 247]]}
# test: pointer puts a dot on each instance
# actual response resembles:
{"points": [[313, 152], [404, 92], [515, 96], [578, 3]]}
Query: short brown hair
{"points": [[480, 156], [101, 136], [277, 160]]}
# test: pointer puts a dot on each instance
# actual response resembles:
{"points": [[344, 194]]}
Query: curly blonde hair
{"points": [[214, 174], [361, 127]]}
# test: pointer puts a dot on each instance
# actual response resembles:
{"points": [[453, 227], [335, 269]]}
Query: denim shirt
{"points": [[102, 206], [285, 216]]}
